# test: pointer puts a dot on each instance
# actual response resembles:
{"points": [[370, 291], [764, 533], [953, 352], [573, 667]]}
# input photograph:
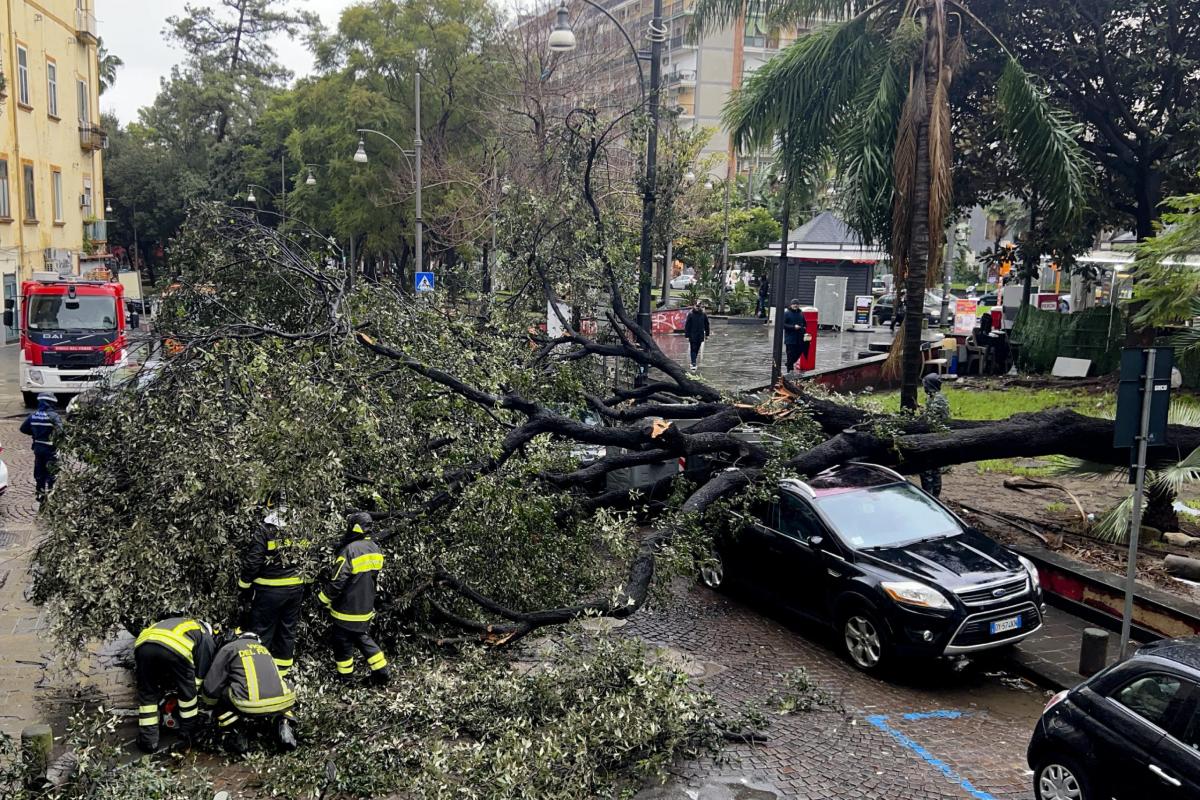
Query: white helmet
{"points": [[275, 517]]}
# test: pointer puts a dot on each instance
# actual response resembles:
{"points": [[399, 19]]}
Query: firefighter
{"points": [[172, 655], [271, 584], [348, 591], [44, 425], [245, 686]]}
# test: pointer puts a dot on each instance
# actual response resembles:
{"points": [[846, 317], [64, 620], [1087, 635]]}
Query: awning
{"points": [[864, 255]]}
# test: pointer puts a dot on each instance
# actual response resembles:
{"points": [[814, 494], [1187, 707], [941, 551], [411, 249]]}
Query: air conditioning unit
{"points": [[85, 201]]}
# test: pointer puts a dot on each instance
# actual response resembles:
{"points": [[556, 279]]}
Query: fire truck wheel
{"points": [[30, 399]]}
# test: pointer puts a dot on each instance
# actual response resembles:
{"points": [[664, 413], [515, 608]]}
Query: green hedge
{"points": [[1096, 334]]}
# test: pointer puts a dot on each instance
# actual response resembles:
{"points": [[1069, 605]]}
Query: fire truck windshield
{"points": [[81, 313]]}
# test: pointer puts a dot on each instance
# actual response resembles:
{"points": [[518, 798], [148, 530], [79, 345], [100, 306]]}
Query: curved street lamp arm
{"points": [[406, 153]]}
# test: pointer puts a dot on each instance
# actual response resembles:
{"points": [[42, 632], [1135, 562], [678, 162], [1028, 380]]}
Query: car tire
{"points": [[1060, 778], [865, 639], [712, 572]]}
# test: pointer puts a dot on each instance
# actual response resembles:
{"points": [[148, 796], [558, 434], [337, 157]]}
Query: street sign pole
{"points": [[1138, 491]]}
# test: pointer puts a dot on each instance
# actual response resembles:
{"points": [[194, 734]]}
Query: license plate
{"points": [[1002, 625]]}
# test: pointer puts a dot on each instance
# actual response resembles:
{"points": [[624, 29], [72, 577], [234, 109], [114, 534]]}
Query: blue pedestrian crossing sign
{"points": [[424, 282]]}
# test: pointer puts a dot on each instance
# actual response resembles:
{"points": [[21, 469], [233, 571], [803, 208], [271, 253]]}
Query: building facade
{"points": [[51, 162]]}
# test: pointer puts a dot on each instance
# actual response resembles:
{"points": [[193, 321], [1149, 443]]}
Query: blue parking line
{"points": [[880, 722], [933, 715]]}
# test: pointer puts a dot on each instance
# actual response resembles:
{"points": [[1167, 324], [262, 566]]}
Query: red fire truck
{"points": [[72, 333]]}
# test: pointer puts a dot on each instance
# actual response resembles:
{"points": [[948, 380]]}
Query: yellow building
{"points": [[51, 165]]}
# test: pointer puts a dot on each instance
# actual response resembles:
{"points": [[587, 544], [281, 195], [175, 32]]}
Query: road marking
{"points": [[880, 722], [933, 715]]}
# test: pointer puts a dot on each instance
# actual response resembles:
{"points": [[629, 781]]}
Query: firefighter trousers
{"points": [[159, 670], [345, 641], [274, 615], [45, 464]]}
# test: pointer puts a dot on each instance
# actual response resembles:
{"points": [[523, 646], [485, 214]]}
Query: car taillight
{"points": [[1058, 698]]}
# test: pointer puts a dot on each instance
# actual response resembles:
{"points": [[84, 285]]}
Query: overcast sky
{"points": [[132, 29]]}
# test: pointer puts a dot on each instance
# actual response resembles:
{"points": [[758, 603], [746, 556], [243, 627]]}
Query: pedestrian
{"points": [[172, 655], [764, 297], [271, 584], [45, 426], [795, 333], [898, 313], [696, 329], [348, 590], [246, 688], [937, 414]]}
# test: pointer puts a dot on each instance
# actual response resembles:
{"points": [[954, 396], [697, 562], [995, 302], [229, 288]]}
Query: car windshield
{"points": [[885, 516], [82, 313]]}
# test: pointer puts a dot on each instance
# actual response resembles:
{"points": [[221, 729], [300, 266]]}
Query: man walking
{"points": [[764, 297], [795, 333], [348, 590], [172, 655], [898, 312], [44, 425], [272, 585], [937, 414], [696, 330]]}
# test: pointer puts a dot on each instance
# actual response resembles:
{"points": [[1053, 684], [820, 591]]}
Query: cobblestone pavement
{"points": [[930, 733]]}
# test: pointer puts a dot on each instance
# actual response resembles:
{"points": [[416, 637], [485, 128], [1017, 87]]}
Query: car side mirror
{"points": [[134, 320], [8, 318]]}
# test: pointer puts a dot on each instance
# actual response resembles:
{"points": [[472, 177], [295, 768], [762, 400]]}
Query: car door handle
{"points": [[1157, 770]]}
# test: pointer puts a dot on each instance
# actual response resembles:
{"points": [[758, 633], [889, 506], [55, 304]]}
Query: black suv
{"points": [[892, 569], [1130, 732]]}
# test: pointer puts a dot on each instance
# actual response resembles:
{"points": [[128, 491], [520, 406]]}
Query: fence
{"points": [[1095, 334]]}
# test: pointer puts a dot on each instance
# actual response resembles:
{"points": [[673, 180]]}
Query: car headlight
{"points": [[35, 376], [912, 593], [1029, 566]]}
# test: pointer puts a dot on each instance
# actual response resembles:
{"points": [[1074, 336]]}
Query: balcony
{"points": [[681, 77], [85, 26], [92, 137], [96, 230]]}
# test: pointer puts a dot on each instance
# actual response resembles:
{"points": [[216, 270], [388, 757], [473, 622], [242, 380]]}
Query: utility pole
{"points": [[282, 189], [420, 236], [657, 34]]}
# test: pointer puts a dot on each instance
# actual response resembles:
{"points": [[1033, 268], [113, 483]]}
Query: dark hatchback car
{"points": [[887, 565], [1131, 732]]}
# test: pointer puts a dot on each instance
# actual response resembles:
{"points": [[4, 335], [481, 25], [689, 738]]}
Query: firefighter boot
{"points": [[381, 677], [237, 743], [147, 740]]}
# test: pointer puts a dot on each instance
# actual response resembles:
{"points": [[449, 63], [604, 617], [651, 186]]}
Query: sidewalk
{"points": [[1051, 656]]}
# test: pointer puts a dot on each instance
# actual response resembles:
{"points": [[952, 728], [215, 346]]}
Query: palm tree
{"points": [[109, 64], [873, 88]]}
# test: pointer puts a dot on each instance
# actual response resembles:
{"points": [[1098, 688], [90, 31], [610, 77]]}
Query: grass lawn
{"points": [[988, 404]]}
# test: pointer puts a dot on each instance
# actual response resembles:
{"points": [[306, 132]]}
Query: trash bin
{"points": [[997, 318], [808, 361]]}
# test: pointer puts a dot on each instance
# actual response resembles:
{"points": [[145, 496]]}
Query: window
{"points": [[52, 88], [1150, 697], [5, 208], [796, 519], [81, 92], [22, 75], [30, 197], [884, 516], [83, 313], [87, 195], [56, 193]]}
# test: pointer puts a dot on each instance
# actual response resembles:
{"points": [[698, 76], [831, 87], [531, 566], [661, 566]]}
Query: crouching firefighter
{"points": [[272, 584], [170, 656], [348, 590], [246, 688]]}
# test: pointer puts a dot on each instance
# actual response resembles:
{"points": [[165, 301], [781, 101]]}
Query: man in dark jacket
{"points": [[696, 330], [172, 655], [44, 425], [272, 585], [243, 682], [795, 333], [348, 589], [764, 297]]}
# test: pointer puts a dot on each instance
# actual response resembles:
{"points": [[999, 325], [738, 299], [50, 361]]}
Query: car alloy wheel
{"points": [[863, 642], [712, 573], [1057, 782]]}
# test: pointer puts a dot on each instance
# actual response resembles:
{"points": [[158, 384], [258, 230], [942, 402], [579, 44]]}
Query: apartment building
{"points": [[51, 162]]}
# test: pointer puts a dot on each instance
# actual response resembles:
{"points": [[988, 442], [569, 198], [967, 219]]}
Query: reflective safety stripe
{"points": [[344, 617], [172, 638], [371, 562], [324, 598], [199, 682], [226, 719], [272, 544], [146, 722], [188, 713], [209, 701], [188, 703], [251, 675], [295, 580], [345, 667], [267, 706], [377, 661], [147, 709], [243, 584]]}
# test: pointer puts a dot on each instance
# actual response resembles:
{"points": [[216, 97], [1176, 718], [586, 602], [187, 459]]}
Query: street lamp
{"points": [[311, 180], [414, 162], [250, 198], [562, 39]]}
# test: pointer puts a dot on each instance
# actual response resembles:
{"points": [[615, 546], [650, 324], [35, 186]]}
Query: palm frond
{"points": [[803, 89], [865, 148], [940, 156], [1045, 142], [904, 170], [1184, 412], [1114, 525], [1065, 466], [714, 15], [1175, 477]]}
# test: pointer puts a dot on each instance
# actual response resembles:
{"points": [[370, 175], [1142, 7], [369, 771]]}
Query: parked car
{"points": [[890, 568], [987, 300], [1132, 731], [882, 313], [878, 287], [3, 475], [683, 281]]}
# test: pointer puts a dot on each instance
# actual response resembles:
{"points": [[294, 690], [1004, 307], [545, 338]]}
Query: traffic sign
{"points": [[424, 282], [1131, 395]]}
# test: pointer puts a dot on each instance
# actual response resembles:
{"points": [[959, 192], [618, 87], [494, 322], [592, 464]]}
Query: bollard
{"points": [[37, 742], [1093, 652]]}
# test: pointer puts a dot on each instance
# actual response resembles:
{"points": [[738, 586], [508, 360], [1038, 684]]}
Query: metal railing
{"points": [[96, 230], [92, 137], [85, 25]]}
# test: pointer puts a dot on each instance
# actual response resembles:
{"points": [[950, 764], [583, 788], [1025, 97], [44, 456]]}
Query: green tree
{"points": [[1167, 286], [108, 64], [875, 89]]}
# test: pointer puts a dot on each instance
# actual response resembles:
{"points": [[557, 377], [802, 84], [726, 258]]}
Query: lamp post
{"points": [[562, 39], [413, 157]]}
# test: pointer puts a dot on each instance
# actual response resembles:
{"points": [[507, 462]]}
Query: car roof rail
{"points": [[796, 483], [880, 468]]}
